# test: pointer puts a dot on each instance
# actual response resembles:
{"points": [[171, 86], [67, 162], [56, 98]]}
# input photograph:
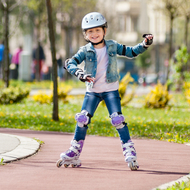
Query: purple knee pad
{"points": [[82, 118], [117, 119]]}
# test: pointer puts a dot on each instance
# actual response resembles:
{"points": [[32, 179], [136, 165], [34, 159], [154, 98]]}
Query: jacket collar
{"points": [[90, 47]]}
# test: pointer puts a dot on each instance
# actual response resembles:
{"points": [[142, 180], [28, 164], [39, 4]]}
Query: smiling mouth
{"points": [[94, 38]]}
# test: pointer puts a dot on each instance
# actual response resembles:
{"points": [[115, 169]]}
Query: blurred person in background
{"points": [[16, 61], [60, 66], [1, 57], [38, 61]]}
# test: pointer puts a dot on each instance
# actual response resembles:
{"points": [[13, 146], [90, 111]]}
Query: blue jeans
{"points": [[90, 104]]}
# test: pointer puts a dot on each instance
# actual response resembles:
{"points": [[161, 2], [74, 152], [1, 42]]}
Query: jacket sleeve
{"points": [[71, 63], [130, 52]]}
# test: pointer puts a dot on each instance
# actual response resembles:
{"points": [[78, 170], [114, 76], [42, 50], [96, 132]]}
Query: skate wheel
{"points": [[134, 168], [133, 165], [59, 163], [75, 165], [66, 165]]}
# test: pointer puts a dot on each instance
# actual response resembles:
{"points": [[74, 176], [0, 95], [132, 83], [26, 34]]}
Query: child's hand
{"points": [[90, 79]]}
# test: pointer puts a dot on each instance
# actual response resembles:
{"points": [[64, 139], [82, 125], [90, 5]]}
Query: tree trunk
{"points": [[68, 46], [171, 36], [170, 44], [6, 62], [38, 74], [186, 30], [55, 115]]}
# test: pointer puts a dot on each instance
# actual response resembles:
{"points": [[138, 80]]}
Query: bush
{"points": [[180, 65], [63, 91], [158, 97], [13, 94], [125, 99], [44, 98], [187, 91]]}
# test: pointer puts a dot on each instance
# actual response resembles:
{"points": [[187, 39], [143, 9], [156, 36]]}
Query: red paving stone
{"points": [[103, 165]]}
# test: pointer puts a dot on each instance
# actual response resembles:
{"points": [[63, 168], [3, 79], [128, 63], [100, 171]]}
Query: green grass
{"points": [[1, 162], [180, 186], [171, 124]]}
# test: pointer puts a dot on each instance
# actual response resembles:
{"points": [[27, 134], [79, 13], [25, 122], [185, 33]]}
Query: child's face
{"points": [[95, 35]]}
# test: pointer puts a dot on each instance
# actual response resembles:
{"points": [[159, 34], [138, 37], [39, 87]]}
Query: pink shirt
{"points": [[100, 84], [16, 56]]}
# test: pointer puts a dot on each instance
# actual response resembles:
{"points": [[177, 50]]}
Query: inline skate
{"points": [[71, 156], [130, 155]]}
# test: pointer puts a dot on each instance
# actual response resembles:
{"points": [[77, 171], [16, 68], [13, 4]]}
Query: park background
{"points": [[161, 112]]}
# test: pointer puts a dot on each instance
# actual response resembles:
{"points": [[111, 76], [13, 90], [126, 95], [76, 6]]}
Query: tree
{"points": [[185, 11], [1, 20], [70, 14], [171, 8], [54, 61], [181, 60], [5, 67], [7, 7], [37, 9]]}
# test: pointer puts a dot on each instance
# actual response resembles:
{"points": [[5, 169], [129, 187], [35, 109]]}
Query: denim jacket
{"points": [[87, 54]]}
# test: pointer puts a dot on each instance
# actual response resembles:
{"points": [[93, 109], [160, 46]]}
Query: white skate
{"points": [[130, 155], [71, 156]]}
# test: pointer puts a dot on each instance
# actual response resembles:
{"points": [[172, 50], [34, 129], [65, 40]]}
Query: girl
{"points": [[101, 77]]}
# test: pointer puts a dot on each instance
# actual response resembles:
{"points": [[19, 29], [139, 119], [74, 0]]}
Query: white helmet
{"points": [[92, 20]]}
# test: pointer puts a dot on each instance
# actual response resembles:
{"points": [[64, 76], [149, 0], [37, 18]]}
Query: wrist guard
{"points": [[148, 42], [79, 73]]}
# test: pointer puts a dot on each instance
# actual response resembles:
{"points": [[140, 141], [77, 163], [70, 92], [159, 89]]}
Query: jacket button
{"points": [[90, 59]]}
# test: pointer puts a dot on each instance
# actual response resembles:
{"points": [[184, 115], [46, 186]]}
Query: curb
{"points": [[26, 148], [166, 185]]}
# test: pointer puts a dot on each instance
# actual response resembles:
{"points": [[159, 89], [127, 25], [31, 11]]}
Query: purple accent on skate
{"points": [[117, 120], [81, 142], [70, 153], [81, 118], [132, 152]]}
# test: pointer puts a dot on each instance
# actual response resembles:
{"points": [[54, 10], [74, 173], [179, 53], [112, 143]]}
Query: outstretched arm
{"points": [[132, 52]]}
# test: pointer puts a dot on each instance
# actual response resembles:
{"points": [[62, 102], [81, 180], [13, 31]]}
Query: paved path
{"points": [[103, 165]]}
